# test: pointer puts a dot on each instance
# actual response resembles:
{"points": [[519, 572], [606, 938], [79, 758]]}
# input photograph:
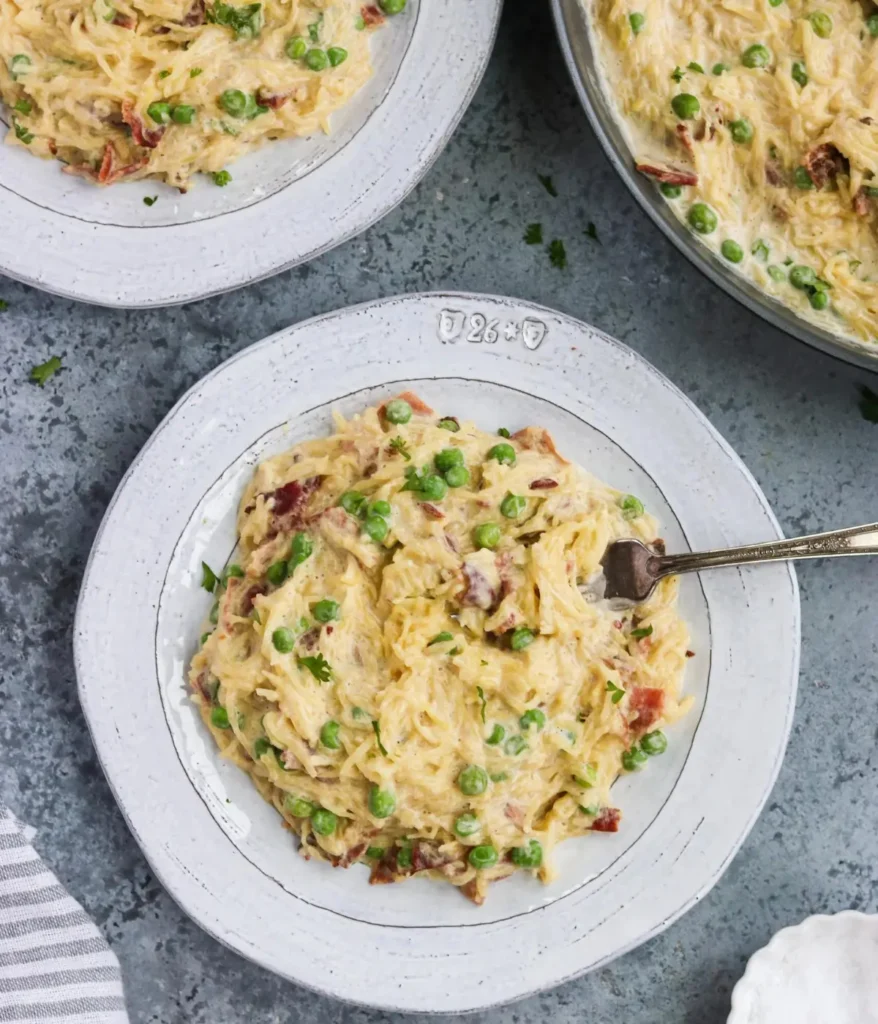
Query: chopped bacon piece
{"points": [[431, 511], [505, 566], [471, 891], [426, 857], [199, 683], [684, 137], [668, 175], [196, 16], [690, 654], [479, 591], [124, 20], [353, 854], [607, 821], [774, 174], [647, 703], [861, 204], [371, 15], [149, 138], [451, 543], [310, 638], [537, 439], [273, 100], [515, 814], [108, 173], [545, 483], [658, 546], [291, 762], [293, 495], [824, 163]]}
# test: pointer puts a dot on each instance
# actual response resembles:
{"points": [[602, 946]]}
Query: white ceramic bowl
{"points": [[223, 853]]}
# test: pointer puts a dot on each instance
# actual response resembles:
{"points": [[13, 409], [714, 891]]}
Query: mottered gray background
{"points": [[791, 413]]}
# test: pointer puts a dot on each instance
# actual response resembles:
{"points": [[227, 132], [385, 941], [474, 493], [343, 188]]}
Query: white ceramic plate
{"points": [[822, 971], [288, 202], [222, 853]]}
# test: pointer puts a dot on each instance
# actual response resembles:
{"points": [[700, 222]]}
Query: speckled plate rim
{"points": [[570, 23], [164, 265], [465, 969], [820, 928]]}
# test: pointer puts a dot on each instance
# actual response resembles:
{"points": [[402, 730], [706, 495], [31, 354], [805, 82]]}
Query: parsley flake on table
{"points": [[4, 305], [318, 666], [149, 200], [208, 578], [41, 373], [868, 404], [592, 232], [533, 234], [557, 254], [548, 184]]}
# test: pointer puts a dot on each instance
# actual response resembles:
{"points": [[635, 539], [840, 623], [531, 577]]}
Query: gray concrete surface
{"points": [[790, 412]]}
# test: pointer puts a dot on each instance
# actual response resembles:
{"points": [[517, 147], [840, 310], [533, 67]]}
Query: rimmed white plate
{"points": [[287, 203], [222, 853]]}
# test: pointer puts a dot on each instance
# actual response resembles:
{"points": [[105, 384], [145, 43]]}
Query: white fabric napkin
{"points": [[55, 966]]}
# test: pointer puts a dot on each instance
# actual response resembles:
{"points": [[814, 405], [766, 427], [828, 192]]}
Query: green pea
{"points": [[472, 780], [636, 21], [718, 69], [398, 411], [685, 106], [183, 114], [380, 508], [329, 735], [819, 299], [521, 638], [433, 488], [512, 506], [760, 250], [382, 803], [756, 56], [654, 743], [670, 191], [533, 716], [376, 528], [802, 277], [447, 459], [261, 747], [872, 24], [634, 759], [449, 424], [732, 251], [359, 713], [323, 822], [284, 639], [701, 218], [457, 476], [482, 857], [503, 453], [821, 23], [776, 273], [802, 179], [221, 178], [301, 548], [317, 60], [741, 130], [497, 734], [354, 503], [392, 6], [337, 55], [296, 47], [298, 806], [499, 776], [276, 573], [234, 102], [326, 610], [219, 718], [487, 535], [467, 824], [530, 856], [404, 856], [159, 112], [800, 74], [514, 746], [775, 3], [19, 65]]}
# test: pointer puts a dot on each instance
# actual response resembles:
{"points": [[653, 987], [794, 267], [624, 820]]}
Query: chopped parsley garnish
{"points": [[260, 747], [149, 200], [760, 250], [693, 65], [245, 22], [318, 666], [557, 254], [548, 184], [314, 29], [21, 133], [164, 74], [23, 107], [504, 432], [4, 305], [677, 74], [533, 234], [221, 178], [868, 404], [195, 72], [400, 445], [208, 578], [41, 373], [617, 693], [639, 634], [358, 713], [481, 694], [440, 638], [592, 232], [376, 725]]}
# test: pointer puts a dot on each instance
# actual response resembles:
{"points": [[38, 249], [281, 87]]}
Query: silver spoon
{"points": [[631, 569]]}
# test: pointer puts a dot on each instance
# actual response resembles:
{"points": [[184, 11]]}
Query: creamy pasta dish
{"points": [[123, 89], [759, 121], [410, 655]]}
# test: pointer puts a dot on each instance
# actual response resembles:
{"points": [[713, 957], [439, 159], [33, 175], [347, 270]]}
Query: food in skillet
{"points": [[408, 660], [123, 89], [759, 122]]}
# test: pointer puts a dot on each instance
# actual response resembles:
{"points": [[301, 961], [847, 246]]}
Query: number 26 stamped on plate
{"points": [[454, 326]]}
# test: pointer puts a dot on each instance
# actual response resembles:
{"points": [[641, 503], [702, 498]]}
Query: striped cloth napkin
{"points": [[55, 966]]}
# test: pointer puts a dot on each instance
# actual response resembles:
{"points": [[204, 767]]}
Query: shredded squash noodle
{"points": [[410, 657], [124, 89], [760, 122]]}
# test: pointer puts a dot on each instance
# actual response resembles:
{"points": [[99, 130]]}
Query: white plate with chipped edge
{"points": [[288, 202], [822, 971], [202, 826]]}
